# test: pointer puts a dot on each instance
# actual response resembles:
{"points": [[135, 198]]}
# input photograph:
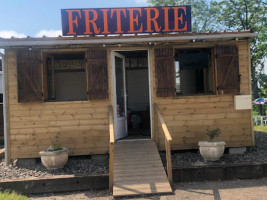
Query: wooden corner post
{"points": [[111, 147]]}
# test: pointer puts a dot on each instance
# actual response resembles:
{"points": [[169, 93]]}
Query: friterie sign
{"points": [[104, 21]]}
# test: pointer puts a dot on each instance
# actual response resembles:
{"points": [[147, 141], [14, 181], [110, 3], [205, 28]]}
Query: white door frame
{"points": [[113, 53]]}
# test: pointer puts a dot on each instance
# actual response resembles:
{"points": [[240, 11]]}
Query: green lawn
{"points": [[12, 196], [260, 128]]}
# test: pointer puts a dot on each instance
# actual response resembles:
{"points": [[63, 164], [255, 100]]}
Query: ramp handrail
{"points": [[111, 146], [168, 139]]}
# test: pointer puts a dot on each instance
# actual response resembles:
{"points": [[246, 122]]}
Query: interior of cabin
{"points": [[137, 92], [194, 71], [65, 76]]}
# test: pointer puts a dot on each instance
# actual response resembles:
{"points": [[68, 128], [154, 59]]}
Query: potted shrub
{"points": [[210, 150], [55, 157]]}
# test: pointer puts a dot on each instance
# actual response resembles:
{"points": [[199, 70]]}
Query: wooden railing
{"points": [[168, 139], [111, 147]]}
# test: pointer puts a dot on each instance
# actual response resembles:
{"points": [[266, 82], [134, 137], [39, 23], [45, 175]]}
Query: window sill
{"points": [[201, 95], [70, 101], [194, 95]]}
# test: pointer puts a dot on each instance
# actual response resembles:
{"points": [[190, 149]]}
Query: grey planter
{"points": [[211, 151], [54, 159]]}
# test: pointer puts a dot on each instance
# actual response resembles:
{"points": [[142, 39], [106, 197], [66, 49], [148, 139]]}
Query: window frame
{"points": [[50, 53], [214, 78]]}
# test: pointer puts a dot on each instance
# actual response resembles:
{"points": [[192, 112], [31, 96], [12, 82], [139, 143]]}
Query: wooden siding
{"points": [[81, 126], [189, 117], [244, 67]]}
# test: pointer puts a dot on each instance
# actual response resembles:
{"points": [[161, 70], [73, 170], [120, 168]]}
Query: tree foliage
{"points": [[203, 16]]}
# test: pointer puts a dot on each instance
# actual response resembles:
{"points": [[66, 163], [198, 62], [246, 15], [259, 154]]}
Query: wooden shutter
{"points": [[97, 74], [228, 78], [29, 75], [165, 72]]}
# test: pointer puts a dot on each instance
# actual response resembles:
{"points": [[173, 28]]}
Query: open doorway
{"points": [[131, 99]]}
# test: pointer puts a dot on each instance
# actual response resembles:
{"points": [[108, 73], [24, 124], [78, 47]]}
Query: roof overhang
{"points": [[137, 39]]}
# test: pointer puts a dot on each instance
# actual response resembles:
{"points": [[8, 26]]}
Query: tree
{"points": [[245, 15], [203, 16]]}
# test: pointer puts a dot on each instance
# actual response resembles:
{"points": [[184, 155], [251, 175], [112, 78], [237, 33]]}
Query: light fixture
{"points": [[30, 48], [150, 43], [193, 40], [104, 45], [119, 45]]}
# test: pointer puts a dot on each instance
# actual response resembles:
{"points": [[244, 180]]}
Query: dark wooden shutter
{"points": [[29, 75], [97, 74], [228, 70], [165, 72]]}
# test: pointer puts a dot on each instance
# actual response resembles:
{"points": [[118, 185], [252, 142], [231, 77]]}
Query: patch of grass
{"points": [[6, 195], [260, 128]]}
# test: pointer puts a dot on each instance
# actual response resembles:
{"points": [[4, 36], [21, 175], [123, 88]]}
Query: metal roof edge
{"points": [[25, 42]]}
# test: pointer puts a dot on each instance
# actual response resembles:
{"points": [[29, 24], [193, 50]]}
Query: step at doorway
{"points": [[138, 169]]}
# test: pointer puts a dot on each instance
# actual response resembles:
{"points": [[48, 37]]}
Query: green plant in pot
{"points": [[211, 150], [56, 156]]}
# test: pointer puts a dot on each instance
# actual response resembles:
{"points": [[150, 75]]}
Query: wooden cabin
{"points": [[64, 86]]}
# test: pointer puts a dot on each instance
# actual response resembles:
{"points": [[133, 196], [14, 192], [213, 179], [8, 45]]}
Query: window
{"points": [[65, 77], [194, 71]]}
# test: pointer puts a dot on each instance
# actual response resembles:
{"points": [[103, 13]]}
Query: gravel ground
{"points": [[86, 165], [257, 155], [212, 190], [75, 165]]}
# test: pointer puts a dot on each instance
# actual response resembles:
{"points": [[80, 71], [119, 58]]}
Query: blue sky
{"points": [[35, 18]]}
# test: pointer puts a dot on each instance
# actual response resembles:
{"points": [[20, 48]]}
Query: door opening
{"points": [[131, 95]]}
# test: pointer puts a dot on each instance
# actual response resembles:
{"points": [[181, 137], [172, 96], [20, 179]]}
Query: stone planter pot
{"points": [[211, 151], [54, 159]]}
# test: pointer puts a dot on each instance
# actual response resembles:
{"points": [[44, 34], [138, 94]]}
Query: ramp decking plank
{"points": [[138, 169]]}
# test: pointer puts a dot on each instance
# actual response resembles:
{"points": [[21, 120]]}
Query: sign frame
{"points": [[131, 20]]}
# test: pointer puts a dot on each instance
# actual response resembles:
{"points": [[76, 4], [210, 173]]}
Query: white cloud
{"points": [[49, 33], [140, 1], [9, 34]]}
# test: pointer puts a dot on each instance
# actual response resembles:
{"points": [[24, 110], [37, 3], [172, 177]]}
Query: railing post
{"points": [[156, 132], [168, 139], [168, 160], [111, 165]]}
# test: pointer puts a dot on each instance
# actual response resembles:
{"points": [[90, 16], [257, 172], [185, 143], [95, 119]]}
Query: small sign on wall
{"points": [[243, 102]]}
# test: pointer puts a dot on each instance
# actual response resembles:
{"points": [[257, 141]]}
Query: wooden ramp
{"points": [[138, 169]]}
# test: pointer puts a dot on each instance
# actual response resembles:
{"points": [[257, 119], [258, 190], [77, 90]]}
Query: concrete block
{"points": [[99, 157], [26, 162], [238, 150]]}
